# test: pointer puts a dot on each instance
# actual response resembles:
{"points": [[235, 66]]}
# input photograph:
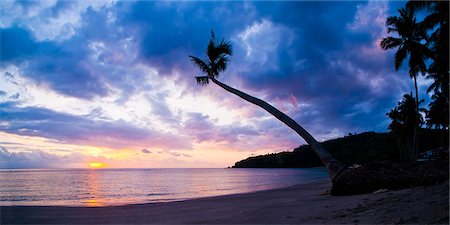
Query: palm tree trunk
{"points": [[333, 166], [416, 128]]}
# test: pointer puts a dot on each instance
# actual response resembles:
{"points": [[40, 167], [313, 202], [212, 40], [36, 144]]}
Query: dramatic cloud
{"points": [[114, 79]]}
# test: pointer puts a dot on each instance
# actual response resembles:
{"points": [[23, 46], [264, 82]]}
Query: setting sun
{"points": [[96, 165]]}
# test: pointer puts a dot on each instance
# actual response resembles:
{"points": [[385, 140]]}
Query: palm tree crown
{"points": [[216, 62], [437, 115], [409, 41]]}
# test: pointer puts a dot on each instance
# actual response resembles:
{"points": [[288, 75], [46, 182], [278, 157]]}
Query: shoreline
{"points": [[299, 204]]}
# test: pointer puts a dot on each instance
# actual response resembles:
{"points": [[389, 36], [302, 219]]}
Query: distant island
{"points": [[352, 149]]}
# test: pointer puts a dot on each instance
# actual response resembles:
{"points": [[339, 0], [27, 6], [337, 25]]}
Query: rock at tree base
{"points": [[386, 175]]}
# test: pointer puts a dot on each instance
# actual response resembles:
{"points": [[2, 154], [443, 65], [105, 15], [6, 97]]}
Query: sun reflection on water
{"points": [[93, 188], [92, 202]]}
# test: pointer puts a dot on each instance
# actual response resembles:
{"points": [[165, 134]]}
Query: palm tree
{"points": [[216, 61], [396, 127], [408, 43], [437, 115], [404, 117], [436, 22]]}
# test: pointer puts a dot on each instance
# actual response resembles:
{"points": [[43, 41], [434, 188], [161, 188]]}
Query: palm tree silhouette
{"points": [[437, 115], [216, 61], [409, 43], [404, 118], [436, 22]]}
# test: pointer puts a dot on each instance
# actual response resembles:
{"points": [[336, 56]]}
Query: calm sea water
{"points": [[89, 187]]}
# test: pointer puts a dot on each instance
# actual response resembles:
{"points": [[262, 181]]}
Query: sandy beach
{"points": [[301, 204]]}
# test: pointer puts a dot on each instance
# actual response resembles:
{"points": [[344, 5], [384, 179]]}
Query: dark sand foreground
{"points": [[293, 205]]}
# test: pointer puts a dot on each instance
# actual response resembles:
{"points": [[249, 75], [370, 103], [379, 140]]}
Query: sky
{"points": [[111, 81]]}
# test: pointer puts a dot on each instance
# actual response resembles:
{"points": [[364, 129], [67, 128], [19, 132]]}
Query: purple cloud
{"points": [[41, 122], [202, 128], [37, 159]]}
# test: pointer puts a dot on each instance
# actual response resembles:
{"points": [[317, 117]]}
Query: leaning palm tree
{"points": [[408, 43], [216, 61]]}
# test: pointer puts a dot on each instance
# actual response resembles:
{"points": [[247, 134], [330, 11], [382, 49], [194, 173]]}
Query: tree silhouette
{"points": [[409, 45], [436, 23], [404, 118], [438, 114], [216, 61]]}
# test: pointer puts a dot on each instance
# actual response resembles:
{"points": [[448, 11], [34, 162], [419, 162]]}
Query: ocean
{"points": [[109, 187]]}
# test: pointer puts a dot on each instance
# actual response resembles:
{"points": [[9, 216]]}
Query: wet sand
{"points": [[301, 204]]}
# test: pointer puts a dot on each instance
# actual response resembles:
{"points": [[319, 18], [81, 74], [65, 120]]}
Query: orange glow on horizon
{"points": [[96, 165]]}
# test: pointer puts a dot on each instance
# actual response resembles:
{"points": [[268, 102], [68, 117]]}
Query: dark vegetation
{"points": [[374, 159], [361, 148], [423, 44]]}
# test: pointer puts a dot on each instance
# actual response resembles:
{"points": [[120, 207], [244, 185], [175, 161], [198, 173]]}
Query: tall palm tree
{"points": [[436, 23], [216, 61], [408, 43]]}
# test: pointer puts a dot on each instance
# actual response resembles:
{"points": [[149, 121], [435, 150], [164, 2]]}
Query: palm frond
{"points": [[222, 63], [399, 57], [432, 87], [390, 42], [201, 64], [406, 14], [224, 47], [418, 5], [391, 21], [202, 80], [392, 30], [430, 21]]}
